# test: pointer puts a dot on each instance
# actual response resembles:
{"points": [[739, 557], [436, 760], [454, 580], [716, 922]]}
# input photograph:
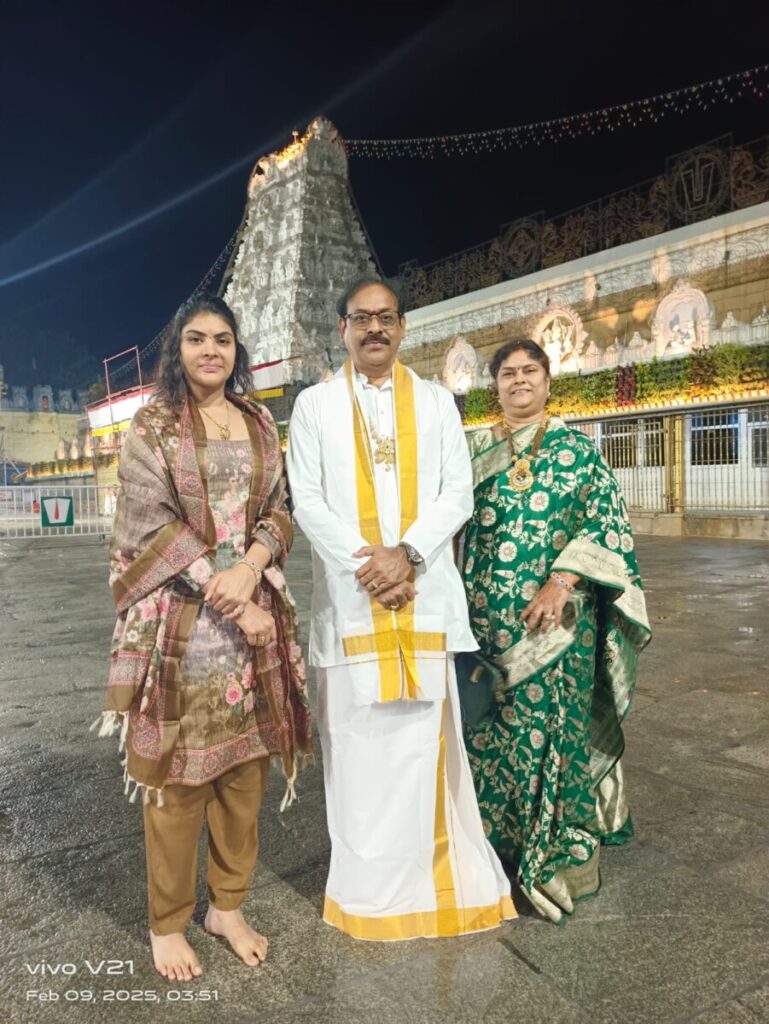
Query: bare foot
{"points": [[174, 957], [250, 946]]}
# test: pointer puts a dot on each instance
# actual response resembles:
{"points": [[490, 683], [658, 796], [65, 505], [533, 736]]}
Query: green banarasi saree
{"points": [[546, 763]]}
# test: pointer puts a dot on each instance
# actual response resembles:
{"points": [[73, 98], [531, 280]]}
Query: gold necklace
{"points": [[385, 447], [224, 429], [520, 476]]}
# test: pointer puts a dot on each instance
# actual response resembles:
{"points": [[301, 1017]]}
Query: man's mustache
{"points": [[381, 339]]}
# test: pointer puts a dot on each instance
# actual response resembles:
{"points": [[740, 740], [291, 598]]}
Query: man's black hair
{"points": [[359, 283]]}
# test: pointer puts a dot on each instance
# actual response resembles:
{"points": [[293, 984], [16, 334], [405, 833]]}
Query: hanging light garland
{"points": [[725, 89]]}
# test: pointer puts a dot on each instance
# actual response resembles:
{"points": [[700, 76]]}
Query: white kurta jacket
{"points": [[321, 470]]}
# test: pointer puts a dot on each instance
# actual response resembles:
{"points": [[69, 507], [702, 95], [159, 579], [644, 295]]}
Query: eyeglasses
{"points": [[360, 320]]}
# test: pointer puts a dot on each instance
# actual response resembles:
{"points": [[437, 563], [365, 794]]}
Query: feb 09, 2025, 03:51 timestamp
{"points": [[123, 995]]}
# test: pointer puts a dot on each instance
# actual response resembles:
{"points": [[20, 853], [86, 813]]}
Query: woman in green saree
{"points": [[556, 600]]}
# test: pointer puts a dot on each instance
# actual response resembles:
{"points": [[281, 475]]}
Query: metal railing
{"points": [[709, 460], [58, 510]]}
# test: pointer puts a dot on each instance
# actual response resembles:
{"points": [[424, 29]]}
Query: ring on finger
{"points": [[550, 616], [240, 610]]}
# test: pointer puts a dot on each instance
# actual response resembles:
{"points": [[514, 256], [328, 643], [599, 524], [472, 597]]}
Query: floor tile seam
{"points": [[654, 822], [684, 732], [82, 689], [299, 872], [382, 977], [100, 652], [762, 846], [736, 996], [633, 767], [70, 584], [763, 982], [7, 799], [60, 649], [641, 730], [70, 701], [551, 983], [663, 854], [413, 956], [101, 617], [734, 887], [694, 686], [760, 774], [278, 1015], [692, 918], [35, 858]]}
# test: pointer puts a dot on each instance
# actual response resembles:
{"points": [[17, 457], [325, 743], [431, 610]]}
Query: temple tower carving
{"points": [[301, 241]]}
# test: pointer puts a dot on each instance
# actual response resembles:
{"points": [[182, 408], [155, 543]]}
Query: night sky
{"points": [[127, 131]]}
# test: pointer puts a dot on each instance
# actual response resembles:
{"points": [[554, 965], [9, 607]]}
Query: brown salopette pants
{"points": [[230, 805]]}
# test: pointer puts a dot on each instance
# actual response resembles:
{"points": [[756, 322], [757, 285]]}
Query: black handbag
{"points": [[478, 679]]}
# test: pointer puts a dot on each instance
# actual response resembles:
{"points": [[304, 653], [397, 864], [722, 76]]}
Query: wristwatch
{"points": [[411, 553]]}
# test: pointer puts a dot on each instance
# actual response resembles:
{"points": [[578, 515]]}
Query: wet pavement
{"points": [[679, 932]]}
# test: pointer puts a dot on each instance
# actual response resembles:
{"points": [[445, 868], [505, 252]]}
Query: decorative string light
{"points": [[726, 89]]}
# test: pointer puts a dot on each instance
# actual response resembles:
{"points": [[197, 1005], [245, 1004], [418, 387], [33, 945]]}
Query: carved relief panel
{"points": [[562, 336], [682, 322], [460, 368]]}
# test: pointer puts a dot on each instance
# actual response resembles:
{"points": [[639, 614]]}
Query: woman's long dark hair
{"points": [[171, 383]]}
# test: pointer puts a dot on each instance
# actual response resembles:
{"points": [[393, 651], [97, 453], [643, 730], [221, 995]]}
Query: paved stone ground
{"points": [[680, 931]]}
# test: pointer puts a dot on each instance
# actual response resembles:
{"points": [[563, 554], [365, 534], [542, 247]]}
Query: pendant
{"points": [[520, 477], [385, 451], [224, 433]]}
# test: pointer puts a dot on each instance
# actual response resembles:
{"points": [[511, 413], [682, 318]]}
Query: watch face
{"points": [[411, 553]]}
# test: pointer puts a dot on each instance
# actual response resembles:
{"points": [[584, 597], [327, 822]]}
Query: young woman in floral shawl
{"points": [[556, 599], [207, 680]]}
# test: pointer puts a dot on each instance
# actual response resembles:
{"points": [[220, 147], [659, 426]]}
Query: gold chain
{"points": [[520, 476], [224, 429]]}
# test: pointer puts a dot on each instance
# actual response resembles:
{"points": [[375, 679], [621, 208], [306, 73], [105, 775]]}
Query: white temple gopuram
{"points": [[300, 243]]}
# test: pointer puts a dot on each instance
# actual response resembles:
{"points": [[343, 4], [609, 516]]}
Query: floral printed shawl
{"points": [[162, 526]]}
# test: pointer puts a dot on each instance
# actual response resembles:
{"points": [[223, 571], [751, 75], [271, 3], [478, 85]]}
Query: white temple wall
{"points": [[662, 297]]}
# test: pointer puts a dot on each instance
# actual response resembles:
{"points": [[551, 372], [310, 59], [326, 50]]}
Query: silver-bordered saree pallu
{"points": [[547, 762]]}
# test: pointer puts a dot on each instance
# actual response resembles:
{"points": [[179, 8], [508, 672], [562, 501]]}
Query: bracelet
{"points": [[253, 567], [562, 581]]}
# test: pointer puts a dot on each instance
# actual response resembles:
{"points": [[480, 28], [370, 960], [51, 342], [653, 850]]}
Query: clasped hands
{"points": [[386, 575], [231, 590]]}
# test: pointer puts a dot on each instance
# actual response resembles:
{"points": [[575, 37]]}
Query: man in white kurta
{"points": [[381, 482]]}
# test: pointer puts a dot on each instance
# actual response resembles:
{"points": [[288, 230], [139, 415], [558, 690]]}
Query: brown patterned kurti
{"points": [[191, 697], [220, 706]]}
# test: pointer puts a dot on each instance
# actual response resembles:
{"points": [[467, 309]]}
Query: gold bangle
{"points": [[253, 567]]}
